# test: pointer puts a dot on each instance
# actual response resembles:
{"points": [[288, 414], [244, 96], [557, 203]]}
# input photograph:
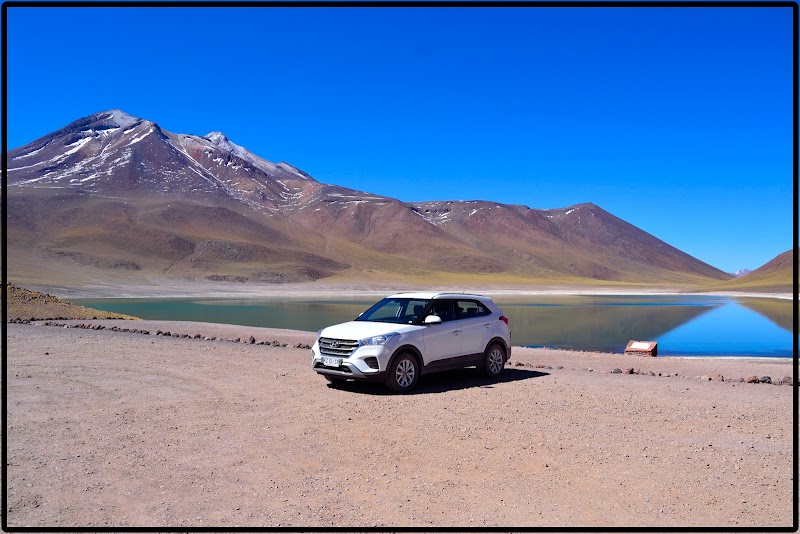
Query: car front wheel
{"points": [[403, 374], [494, 360]]}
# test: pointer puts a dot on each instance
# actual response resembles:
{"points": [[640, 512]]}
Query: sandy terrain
{"points": [[113, 429]]}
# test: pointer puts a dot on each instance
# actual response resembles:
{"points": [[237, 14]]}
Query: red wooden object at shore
{"points": [[642, 348]]}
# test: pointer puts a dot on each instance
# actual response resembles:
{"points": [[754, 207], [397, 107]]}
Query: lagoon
{"points": [[682, 324]]}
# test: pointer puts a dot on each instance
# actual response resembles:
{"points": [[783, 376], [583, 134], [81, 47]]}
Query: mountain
{"points": [[775, 276], [114, 198], [741, 272]]}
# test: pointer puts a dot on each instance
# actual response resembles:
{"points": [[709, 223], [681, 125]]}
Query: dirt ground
{"points": [[119, 429]]}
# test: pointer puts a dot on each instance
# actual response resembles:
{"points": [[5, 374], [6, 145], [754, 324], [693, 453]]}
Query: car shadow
{"points": [[444, 381]]}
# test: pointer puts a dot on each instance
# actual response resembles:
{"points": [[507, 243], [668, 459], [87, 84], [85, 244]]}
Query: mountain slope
{"points": [[775, 276], [114, 197]]}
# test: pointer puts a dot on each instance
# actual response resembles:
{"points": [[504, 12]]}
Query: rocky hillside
{"points": [[33, 305]]}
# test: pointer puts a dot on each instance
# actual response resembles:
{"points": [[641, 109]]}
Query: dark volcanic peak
{"points": [[114, 152]]}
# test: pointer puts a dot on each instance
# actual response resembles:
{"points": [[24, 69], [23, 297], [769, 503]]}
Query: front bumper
{"points": [[355, 366]]}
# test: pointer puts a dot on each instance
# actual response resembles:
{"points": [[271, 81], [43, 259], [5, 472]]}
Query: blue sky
{"points": [[678, 120]]}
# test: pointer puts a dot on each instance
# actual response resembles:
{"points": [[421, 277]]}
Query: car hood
{"points": [[364, 329]]}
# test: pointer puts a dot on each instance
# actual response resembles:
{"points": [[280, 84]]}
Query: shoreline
{"points": [[185, 289], [188, 329], [170, 324]]}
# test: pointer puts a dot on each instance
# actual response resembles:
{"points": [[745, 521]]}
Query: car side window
{"points": [[467, 309], [444, 310], [414, 309]]}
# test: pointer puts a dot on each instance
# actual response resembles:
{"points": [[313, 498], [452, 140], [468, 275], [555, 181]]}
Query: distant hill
{"points": [[114, 199], [741, 272], [775, 276]]}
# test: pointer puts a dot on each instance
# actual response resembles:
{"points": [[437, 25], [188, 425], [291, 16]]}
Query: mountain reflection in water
{"points": [[596, 325]]}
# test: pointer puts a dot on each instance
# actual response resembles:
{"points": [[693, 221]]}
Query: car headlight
{"points": [[382, 339]]}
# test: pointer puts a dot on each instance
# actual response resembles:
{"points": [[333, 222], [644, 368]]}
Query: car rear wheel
{"points": [[403, 374], [494, 360]]}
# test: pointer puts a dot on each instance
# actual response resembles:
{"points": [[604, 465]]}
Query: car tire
{"points": [[403, 373], [494, 360]]}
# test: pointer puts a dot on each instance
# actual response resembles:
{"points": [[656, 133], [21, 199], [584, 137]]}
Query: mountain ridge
{"points": [[118, 197]]}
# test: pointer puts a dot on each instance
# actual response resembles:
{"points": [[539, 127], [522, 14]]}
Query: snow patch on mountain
{"points": [[220, 140], [294, 170], [32, 153], [77, 145], [121, 119]]}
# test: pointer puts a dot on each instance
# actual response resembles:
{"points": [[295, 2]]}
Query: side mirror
{"points": [[432, 319]]}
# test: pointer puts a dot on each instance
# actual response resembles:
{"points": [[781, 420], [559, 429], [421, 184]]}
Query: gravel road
{"points": [[118, 429]]}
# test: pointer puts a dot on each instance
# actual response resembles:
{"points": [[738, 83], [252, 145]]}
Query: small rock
{"points": [[786, 381], [616, 371], [629, 370], [716, 377], [765, 380], [705, 378], [753, 379], [252, 340]]}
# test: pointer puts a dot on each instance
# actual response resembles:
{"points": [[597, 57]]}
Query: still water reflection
{"points": [[681, 324]]}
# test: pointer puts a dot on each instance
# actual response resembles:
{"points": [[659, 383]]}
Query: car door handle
{"points": [[456, 332], [487, 325]]}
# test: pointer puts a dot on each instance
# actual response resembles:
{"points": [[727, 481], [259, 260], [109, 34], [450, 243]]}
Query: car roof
{"points": [[434, 295]]}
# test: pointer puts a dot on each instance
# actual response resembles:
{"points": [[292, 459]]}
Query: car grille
{"points": [[337, 347]]}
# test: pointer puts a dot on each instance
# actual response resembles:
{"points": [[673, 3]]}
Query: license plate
{"points": [[331, 362]]}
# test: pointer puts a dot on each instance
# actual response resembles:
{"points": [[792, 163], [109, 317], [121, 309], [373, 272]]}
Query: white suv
{"points": [[408, 334]]}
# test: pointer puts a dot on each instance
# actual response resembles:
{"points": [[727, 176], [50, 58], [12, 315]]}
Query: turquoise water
{"points": [[695, 325]]}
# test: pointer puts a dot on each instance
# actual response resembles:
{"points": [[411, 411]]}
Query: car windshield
{"points": [[395, 310]]}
